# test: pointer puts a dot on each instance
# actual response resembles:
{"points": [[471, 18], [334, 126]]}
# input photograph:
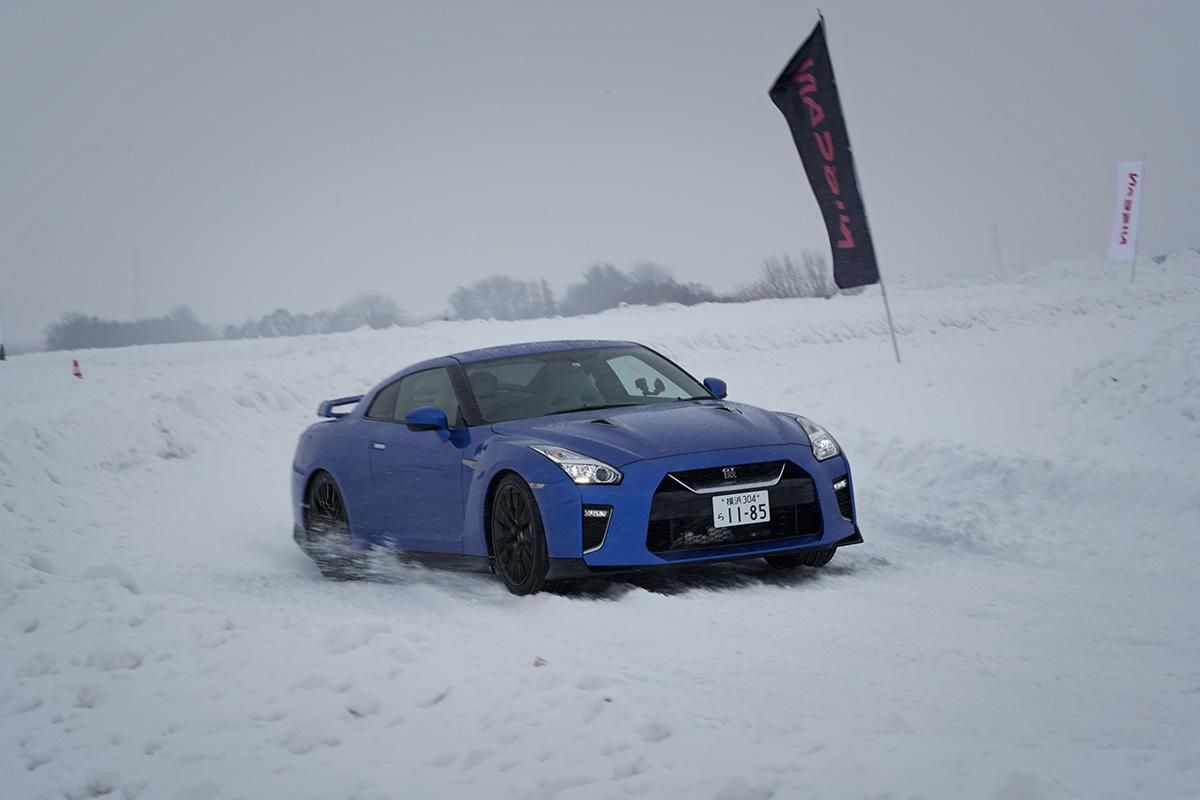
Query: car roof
{"points": [[488, 353], [526, 348]]}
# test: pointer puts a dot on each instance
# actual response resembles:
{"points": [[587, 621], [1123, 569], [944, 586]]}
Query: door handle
{"points": [[379, 445]]}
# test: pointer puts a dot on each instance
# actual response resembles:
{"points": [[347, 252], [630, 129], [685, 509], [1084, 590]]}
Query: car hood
{"points": [[621, 435]]}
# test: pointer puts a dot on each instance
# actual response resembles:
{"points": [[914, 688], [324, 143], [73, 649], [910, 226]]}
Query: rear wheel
{"points": [[518, 539], [808, 558], [328, 530]]}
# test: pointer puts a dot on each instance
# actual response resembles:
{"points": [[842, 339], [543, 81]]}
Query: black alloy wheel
{"points": [[518, 539], [328, 530]]}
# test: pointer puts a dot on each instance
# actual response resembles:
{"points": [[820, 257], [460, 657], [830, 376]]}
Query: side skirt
{"points": [[447, 561]]}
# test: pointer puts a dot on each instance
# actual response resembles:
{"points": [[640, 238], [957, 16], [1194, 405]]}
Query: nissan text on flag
{"points": [[1122, 245], [807, 96]]}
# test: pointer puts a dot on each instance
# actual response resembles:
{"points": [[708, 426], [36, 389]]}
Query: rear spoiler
{"points": [[327, 406]]}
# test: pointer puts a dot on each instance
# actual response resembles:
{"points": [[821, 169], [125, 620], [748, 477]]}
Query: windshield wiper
{"points": [[593, 408]]}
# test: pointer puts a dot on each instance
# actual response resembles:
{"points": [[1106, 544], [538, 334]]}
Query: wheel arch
{"points": [[552, 488], [311, 478], [488, 497]]}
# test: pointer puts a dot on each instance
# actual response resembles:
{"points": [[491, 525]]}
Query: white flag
{"points": [[1123, 244]]}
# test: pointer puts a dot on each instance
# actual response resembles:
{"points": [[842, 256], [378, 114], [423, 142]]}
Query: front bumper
{"points": [[562, 568], [625, 546]]}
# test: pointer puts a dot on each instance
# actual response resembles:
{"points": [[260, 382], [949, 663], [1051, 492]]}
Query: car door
{"points": [[417, 475]]}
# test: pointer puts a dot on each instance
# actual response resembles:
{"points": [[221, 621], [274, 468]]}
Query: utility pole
{"points": [[137, 284], [997, 261]]}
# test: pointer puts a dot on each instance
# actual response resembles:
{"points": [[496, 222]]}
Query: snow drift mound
{"points": [[1133, 393]]}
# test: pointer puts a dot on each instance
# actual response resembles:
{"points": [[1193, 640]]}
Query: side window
{"points": [[429, 388], [384, 403], [639, 379]]}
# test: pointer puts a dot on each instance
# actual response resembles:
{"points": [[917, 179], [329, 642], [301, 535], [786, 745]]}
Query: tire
{"points": [[518, 538], [327, 529], [808, 558]]}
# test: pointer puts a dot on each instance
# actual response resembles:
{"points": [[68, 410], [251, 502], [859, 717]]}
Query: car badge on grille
{"points": [[729, 472]]}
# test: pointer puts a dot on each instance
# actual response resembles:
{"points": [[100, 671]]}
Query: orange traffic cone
{"points": [[75, 368]]}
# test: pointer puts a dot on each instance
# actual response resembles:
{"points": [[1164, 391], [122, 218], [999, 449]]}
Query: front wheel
{"points": [[518, 538], [808, 558]]}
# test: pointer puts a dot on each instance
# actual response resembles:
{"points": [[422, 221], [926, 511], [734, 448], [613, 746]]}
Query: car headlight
{"points": [[823, 445], [582, 469]]}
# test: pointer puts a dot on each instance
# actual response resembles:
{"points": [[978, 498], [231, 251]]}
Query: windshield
{"points": [[540, 384]]}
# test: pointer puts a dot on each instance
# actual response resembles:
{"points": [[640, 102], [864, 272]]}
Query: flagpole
{"points": [[1137, 239], [3, 356], [887, 308]]}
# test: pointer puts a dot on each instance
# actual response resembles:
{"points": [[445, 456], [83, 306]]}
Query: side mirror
{"points": [[716, 387], [426, 418]]}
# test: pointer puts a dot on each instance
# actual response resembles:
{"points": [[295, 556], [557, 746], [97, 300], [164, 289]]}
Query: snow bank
{"points": [[1018, 624]]}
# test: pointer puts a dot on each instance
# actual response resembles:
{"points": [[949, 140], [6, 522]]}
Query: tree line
{"points": [[602, 286], [372, 310], [77, 331]]}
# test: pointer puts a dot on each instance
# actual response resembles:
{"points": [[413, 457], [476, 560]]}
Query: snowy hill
{"points": [[1019, 624]]}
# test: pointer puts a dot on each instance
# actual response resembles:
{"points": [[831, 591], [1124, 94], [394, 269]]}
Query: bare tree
{"points": [[652, 285], [603, 286], [501, 297], [371, 309], [647, 272], [782, 277]]}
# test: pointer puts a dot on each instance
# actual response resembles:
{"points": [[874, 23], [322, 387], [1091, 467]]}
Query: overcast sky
{"points": [[294, 154]]}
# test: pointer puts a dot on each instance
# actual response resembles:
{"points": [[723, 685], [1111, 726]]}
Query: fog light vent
{"points": [[841, 488], [595, 526]]}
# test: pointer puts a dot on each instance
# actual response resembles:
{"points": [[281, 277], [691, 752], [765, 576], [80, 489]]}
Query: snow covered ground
{"points": [[1020, 624]]}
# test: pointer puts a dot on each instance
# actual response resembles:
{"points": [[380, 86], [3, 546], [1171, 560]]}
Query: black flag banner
{"points": [[807, 95]]}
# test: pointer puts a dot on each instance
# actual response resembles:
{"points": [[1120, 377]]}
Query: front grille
{"points": [[841, 488], [682, 520], [713, 479]]}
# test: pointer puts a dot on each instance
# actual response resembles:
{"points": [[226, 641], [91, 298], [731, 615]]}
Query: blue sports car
{"points": [[554, 460]]}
